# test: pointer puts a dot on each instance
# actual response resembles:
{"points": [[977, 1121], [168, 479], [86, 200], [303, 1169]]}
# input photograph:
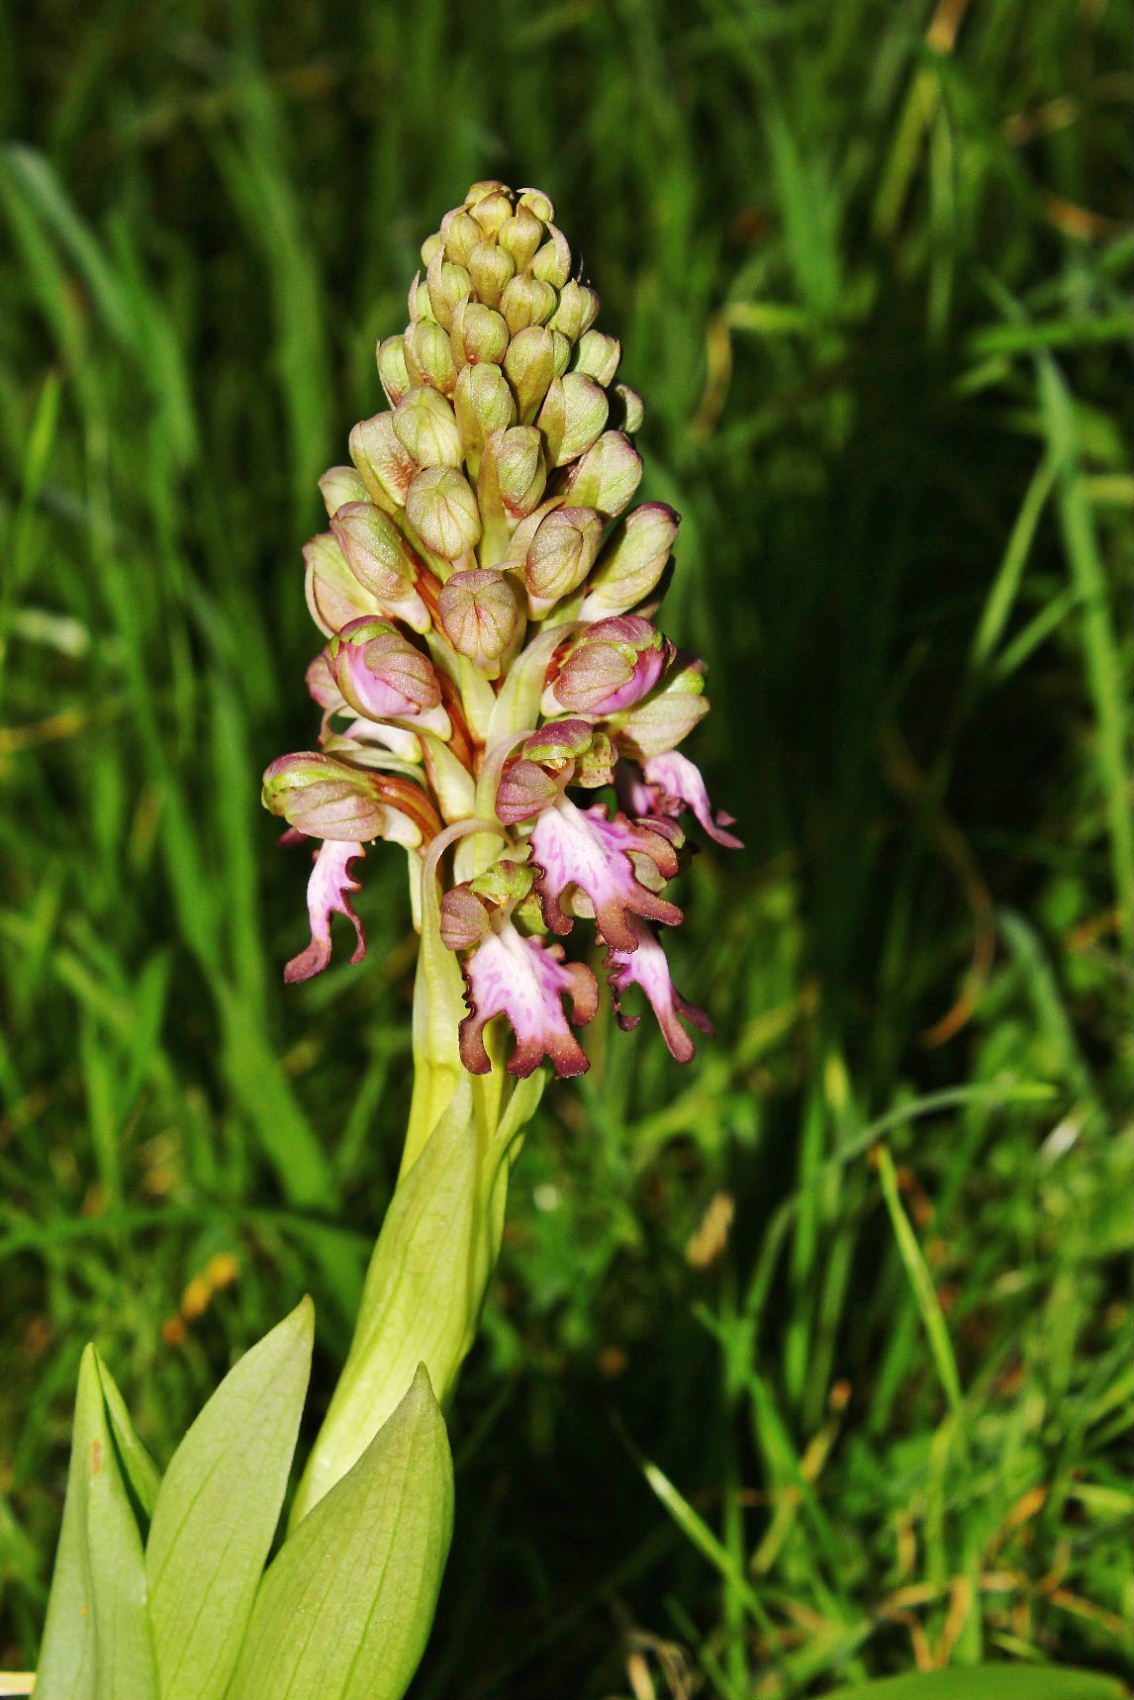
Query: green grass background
{"points": [[870, 264]]}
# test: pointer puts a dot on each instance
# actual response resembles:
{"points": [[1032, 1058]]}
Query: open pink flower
{"points": [[647, 967], [329, 892], [606, 861], [677, 784], [526, 980]]}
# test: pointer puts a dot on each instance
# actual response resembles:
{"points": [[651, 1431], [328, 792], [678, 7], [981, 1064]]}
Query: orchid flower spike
{"points": [[488, 607]]}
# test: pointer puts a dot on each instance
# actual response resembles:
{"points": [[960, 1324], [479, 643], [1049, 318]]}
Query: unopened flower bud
{"points": [[484, 403], [538, 202], [552, 263], [560, 555], [577, 310], [420, 306], [481, 613], [460, 234], [572, 416], [448, 286], [630, 406], [521, 235], [430, 247], [428, 354], [464, 919], [512, 469], [327, 798], [491, 210], [478, 333], [657, 725], [427, 427], [339, 485], [598, 355], [612, 666], [442, 509], [380, 673], [607, 476], [386, 466], [380, 560], [392, 368], [334, 594], [525, 790], [632, 564], [530, 365], [526, 301], [491, 269]]}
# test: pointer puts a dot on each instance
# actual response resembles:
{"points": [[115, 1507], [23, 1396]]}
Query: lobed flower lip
{"points": [[525, 980], [646, 966], [329, 892], [677, 784], [577, 848]]}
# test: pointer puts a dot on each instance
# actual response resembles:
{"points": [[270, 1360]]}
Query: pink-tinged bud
{"points": [[491, 210], [525, 980], [448, 286], [647, 967], [612, 666], [386, 466], [577, 310], [657, 725], [381, 561], [478, 333], [607, 475], [512, 471], [334, 594], [572, 416], [484, 403], [460, 234], [526, 301], [531, 365], [491, 269], [525, 790], [340, 485], [481, 613], [464, 919], [380, 673], [559, 742], [552, 263], [632, 564], [392, 369], [561, 555], [328, 798], [521, 235], [442, 509], [598, 355], [321, 685], [427, 428], [429, 356]]}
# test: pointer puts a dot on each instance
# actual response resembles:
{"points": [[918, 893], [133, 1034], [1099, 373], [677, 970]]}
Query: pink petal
{"points": [[648, 968], [329, 892], [679, 785], [525, 980], [583, 848]]}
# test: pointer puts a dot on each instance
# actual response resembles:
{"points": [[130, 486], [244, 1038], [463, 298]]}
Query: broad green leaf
{"points": [[990, 1682], [96, 1643], [141, 1473], [345, 1608], [217, 1510]]}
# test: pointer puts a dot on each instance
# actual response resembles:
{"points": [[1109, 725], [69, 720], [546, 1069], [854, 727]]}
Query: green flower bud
{"points": [[539, 203], [420, 306], [385, 464], [460, 234], [521, 235], [334, 594], [381, 561], [513, 469], [572, 416], [427, 427], [484, 403], [632, 410], [578, 307], [598, 355], [478, 333], [527, 301], [481, 613], [448, 286], [442, 509], [431, 247], [607, 475], [552, 263], [429, 356], [560, 555], [339, 485], [492, 209], [490, 268], [633, 563], [392, 368], [530, 365]]}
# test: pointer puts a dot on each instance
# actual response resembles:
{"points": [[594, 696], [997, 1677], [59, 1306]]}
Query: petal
{"points": [[679, 784], [525, 980], [329, 892], [647, 967], [583, 848]]}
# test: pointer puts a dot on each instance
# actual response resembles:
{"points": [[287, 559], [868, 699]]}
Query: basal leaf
{"points": [[217, 1510], [990, 1682], [97, 1643], [345, 1608]]}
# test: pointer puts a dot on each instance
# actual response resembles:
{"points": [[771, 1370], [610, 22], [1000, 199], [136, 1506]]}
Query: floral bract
{"points": [[491, 658]]}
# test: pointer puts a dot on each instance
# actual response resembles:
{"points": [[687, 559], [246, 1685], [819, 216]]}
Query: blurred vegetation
{"points": [[870, 264]]}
